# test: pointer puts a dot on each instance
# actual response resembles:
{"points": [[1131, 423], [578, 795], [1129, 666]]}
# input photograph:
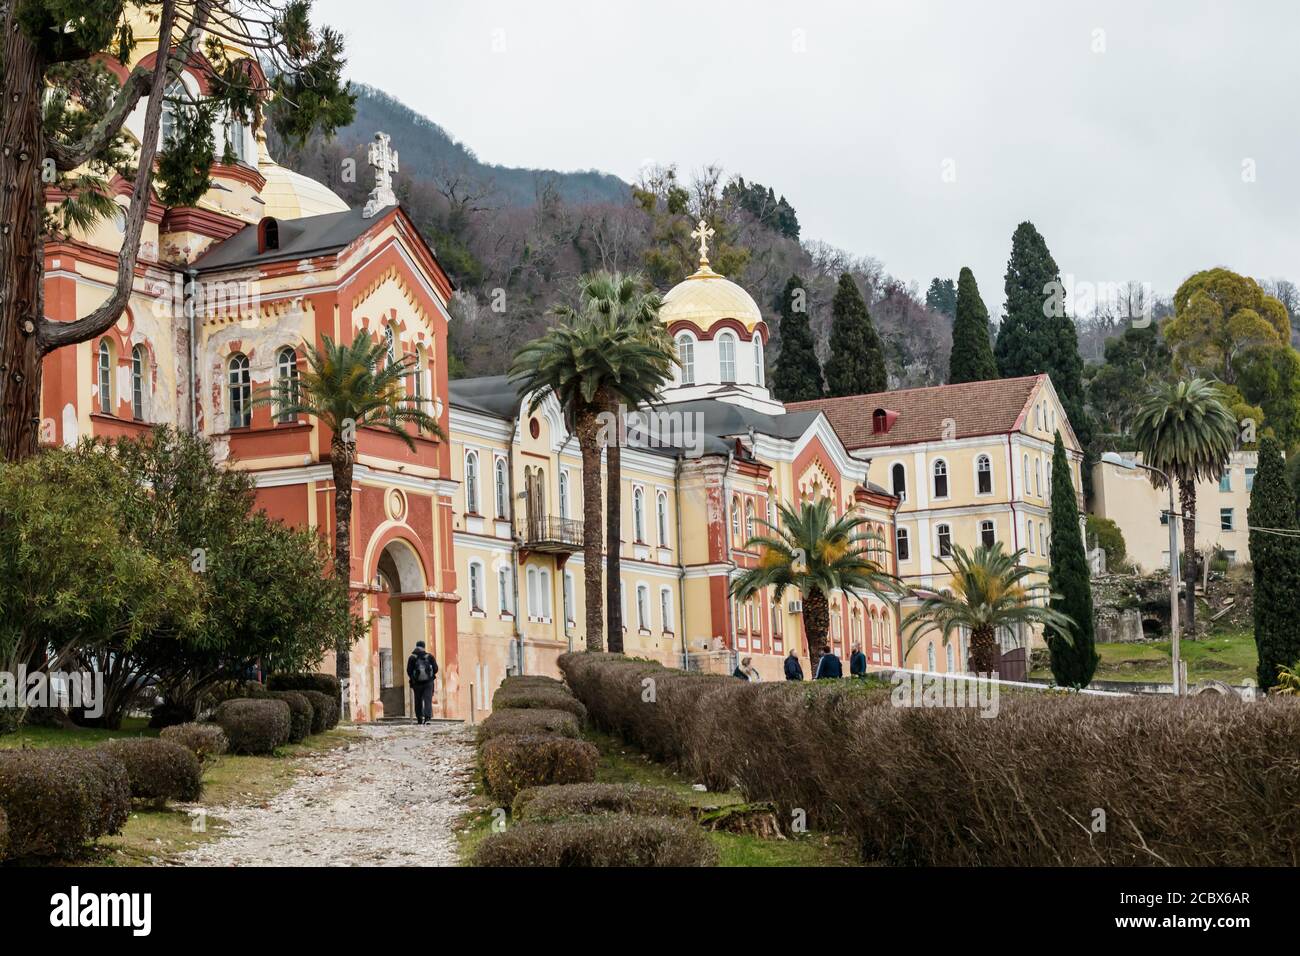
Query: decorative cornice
{"points": [[214, 225]]}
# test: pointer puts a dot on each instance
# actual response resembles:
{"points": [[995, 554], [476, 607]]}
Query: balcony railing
{"points": [[548, 533]]}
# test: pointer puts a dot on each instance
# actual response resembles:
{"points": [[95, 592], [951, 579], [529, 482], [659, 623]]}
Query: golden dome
{"points": [[706, 298], [290, 195]]}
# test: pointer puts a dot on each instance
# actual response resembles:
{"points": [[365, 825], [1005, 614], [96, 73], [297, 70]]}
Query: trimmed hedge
{"points": [[324, 683], [559, 723], [57, 801], [526, 697], [301, 713], [532, 682], [205, 741], [325, 710], [253, 726], [159, 770], [609, 840], [1196, 781], [513, 762], [579, 799]]}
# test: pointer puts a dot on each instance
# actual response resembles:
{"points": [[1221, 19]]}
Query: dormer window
{"points": [[878, 421], [268, 234]]}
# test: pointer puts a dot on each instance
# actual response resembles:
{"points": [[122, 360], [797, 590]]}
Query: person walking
{"points": [[746, 670], [793, 669], [421, 669], [857, 662], [830, 666]]}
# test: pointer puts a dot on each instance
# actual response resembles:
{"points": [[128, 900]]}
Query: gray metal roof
{"points": [[299, 239]]}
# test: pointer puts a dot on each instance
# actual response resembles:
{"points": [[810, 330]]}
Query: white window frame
{"points": [[942, 530], [501, 487], [139, 392], [902, 545], [239, 391], [643, 607], [476, 586], [686, 358], [935, 475], [471, 481], [988, 460], [638, 514], [757, 341], [666, 610], [727, 358], [104, 376]]}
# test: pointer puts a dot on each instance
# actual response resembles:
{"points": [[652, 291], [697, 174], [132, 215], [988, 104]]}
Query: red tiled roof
{"points": [[976, 408]]}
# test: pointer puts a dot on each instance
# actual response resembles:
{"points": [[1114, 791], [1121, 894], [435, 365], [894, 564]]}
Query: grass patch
{"points": [[622, 763], [1230, 656], [156, 837]]}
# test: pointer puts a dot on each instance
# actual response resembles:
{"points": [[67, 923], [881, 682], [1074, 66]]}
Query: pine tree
{"points": [[941, 297], [1276, 561], [972, 350], [1073, 661], [857, 362], [798, 375]]}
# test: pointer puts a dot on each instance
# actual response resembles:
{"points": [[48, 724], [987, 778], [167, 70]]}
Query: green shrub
{"points": [[585, 799], [325, 683], [325, 710], [301, 713], [57, 801], [159, 770], [561, 723], [543, 698], [515, 761], [205, 741], [1104, 533], [610, 840], [253, 726]]}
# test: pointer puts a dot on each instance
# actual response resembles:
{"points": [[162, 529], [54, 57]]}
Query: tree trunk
{"points": [[342, 456], [816, 625], [1187, 499], [22, 258], [984, 655], [586, 428], [614, 533]]}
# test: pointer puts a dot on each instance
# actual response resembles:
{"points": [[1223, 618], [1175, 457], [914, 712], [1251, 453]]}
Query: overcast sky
{"points": [[1125, 131]]}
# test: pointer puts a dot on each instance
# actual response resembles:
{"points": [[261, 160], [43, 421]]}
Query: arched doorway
{"points": [[402, 620]]}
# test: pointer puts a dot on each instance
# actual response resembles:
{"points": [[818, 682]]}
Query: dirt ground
{"points": [[391, 798]]}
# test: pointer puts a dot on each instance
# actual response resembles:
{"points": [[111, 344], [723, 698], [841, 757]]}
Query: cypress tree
{"points": [[798, 375], [1075, 660], [972, 350], [1276, 561], [857, 362]]}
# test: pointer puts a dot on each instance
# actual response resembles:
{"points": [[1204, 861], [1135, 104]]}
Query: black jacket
{"points": [[793, 669], [410, 665], [829, 666], [858, 664]]}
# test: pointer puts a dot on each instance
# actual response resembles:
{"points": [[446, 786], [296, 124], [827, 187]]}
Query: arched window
{"points": [[417, 375], [1042, 537], [503, 589], [929, 656], [1027, 485], [686, 358], [666, 610], [568, 596], [952, 666], [638, 515], [902, 545], [1029, 534], [661, 518], [1038, 477], [286, 373], [943, 535], [643, 607], [727, 357], [749, 520], [758, 359], [988, 535], [476, 587], [534, 596], [390, 344], [139, 381], [241, 392], [104, 379], [564, 494], [173, 96], [898, 477], [471, 482], [502, 488], [984, 475], [735, 519], [544, 585], [236, 131], [941, 479]]}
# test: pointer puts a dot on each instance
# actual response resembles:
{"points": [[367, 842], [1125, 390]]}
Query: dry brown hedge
{"points": [[579, 799], [1194, 781], [608, 840], [59, 800], [253, 726], [159, 770], [302, 713], [559, 723], [525, 697], [324, 710], [205, 741], [513, 762]]}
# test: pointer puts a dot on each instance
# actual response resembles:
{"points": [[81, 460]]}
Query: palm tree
{"points": [[346, 388], [585, 363], [622, 300], [1186, 430], [988, 592], [816, 553]]}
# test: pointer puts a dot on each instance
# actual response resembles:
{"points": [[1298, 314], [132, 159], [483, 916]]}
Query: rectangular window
{"points": [[988, 536], [1225, 481], [903, 546], [1225, 519], [1250, 479]]}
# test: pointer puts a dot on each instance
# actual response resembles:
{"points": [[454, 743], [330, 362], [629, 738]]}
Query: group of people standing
{"points": [[829, 666]]}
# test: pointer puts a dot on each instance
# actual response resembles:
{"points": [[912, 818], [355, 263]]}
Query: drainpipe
{"points": [[191, 279], [681, 558], [514, 547]]}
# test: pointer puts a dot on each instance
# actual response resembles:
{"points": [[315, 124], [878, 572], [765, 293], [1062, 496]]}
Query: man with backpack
{"points": [[421, 669]]}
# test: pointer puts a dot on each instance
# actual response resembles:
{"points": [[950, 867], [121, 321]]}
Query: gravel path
{"points": [[390, 798]]}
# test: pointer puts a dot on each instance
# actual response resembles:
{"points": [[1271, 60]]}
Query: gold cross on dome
{"points": [[703, 233]]}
